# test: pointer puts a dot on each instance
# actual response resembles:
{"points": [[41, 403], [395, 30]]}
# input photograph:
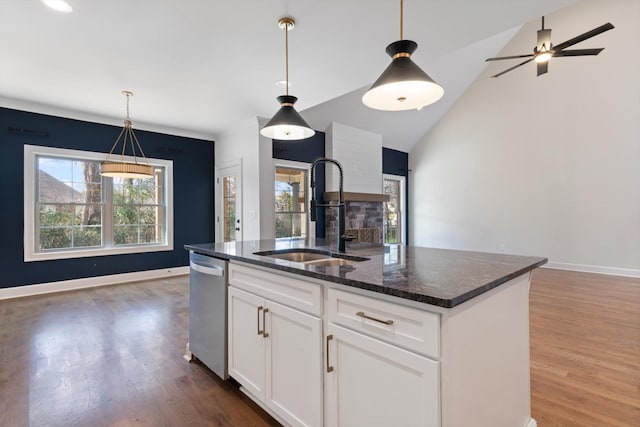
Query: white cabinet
{"points": [[246, 342], [294, 365], [275, 352], [366, 359], [372, 383], [409, 328], [374, 375]]}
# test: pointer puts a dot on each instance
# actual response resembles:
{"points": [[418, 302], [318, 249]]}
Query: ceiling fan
{"points": [[544, 50]]}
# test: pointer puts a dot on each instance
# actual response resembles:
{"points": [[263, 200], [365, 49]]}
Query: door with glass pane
{"points": [[229, 209], [393, 220]]}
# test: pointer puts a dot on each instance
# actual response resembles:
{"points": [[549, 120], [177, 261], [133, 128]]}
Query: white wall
{"points": [[241, 141], [360, 154], [267, 185], [545, 165]]}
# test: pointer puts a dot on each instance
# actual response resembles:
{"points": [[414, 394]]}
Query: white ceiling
{"points": [[199, 66]]}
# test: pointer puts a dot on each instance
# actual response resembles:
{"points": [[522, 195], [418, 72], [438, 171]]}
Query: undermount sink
{"points": [[297, 256], [312, 257]]}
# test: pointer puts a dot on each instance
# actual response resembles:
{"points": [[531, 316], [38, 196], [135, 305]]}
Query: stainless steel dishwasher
{"points": [[208, 311]]}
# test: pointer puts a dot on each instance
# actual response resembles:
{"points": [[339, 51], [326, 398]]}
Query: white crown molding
{"points": [[52, 110]]}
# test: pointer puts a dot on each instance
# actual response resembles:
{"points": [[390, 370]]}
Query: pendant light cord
{"points": [[401, 18], [128, 118], [286, 56]]}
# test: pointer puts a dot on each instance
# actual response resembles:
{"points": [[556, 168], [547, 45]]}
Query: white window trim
{"points": [[311, 225], [30, 167], [403, 204]]}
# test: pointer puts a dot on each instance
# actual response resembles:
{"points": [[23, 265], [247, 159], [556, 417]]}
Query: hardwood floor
{"points": [[585, 349], [112, 356]]}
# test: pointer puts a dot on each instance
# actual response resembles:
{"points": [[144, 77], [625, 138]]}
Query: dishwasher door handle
{"points": [[213, 271]]}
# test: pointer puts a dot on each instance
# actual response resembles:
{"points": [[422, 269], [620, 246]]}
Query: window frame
{"points": [[31, 153], [303, 166]]}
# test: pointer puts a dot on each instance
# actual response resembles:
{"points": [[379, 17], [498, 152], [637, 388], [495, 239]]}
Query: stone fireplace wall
{"points": [[364, 222]]}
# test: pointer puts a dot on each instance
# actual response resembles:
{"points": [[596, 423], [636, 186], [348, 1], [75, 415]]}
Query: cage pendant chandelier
{"points": [[402, 85], [287, 123], [116, 165]]}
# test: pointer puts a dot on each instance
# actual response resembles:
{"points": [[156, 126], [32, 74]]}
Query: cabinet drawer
{"points": [[293, 292], [397, 324]]}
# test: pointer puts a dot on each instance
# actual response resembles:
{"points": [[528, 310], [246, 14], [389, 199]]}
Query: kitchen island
{"points": [[381, 335]]}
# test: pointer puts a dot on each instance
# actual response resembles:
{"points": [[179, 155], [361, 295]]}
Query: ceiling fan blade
{"points": [[514, 67], [579, 52], [508, 57], [544, 40], [543, 67], [582, 37]]}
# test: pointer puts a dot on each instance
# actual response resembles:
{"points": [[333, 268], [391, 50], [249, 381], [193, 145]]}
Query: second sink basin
{"points": [[330, 261]]}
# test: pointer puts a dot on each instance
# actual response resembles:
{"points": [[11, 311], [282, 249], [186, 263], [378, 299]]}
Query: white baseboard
{"points": [[90, 282], [627, 272]]}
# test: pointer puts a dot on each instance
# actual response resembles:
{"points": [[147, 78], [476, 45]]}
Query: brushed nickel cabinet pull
{"points": [[329, 368], [264, 323], [386, 322], [260, 332]]}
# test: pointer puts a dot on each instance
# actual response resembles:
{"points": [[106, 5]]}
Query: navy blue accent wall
{"points": [[306, 150], [396, 162], [193, 195]]}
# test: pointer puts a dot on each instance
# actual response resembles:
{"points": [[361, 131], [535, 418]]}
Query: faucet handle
{"points": [[312, 210]]}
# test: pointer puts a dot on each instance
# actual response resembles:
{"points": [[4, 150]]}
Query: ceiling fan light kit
{"points": [[402, 85], [122, 168], [287, 123], [545, 50]]}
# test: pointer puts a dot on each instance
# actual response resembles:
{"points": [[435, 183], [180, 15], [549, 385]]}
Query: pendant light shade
{"points": [[287, 124], [403, 85], [120, 168]]}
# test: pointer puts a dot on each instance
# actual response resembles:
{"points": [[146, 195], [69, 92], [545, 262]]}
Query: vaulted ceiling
{"points": [[199, 66]]}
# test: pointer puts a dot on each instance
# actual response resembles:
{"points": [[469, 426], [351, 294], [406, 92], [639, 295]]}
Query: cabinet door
{"points": [[294, 365], [246, 341], [373, 383]]}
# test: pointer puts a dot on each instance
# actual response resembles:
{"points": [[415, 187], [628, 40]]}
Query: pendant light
{"points": [[403, 85], [122, 168], [287, 124]]}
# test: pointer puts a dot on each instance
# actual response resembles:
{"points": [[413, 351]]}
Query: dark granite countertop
{"points": [[440, 277]]}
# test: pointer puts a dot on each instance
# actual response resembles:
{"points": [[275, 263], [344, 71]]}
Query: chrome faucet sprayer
{"points": [[342, 237]]}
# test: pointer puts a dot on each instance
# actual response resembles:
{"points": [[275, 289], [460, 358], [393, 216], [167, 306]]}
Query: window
{"points": [[290, 202], [72, 211], [393, 221]]}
